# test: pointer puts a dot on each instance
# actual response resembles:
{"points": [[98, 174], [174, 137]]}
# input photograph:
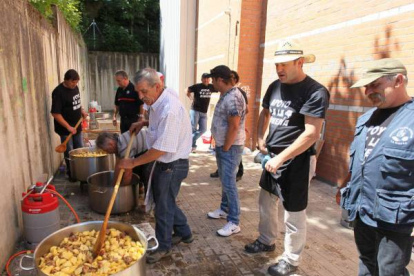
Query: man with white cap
{"points": [[294, 108], [379, 197]]}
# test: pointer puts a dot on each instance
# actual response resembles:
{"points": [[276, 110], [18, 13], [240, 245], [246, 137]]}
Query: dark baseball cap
{"points": [[221, 71], [205, 76]]}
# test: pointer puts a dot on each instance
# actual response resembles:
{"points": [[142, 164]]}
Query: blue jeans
{"points": [[166, 183], [200, 119], [228, 164], [74, 143], [382, 252]]}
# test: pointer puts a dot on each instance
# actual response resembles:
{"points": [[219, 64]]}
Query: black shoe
{"points": [[214, 174], [157, 255], [238, 177], [257, 247], [282, 268], [177, 239]]}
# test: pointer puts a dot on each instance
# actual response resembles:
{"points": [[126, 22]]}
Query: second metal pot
{"points": [[82, 167], [100, 190]]}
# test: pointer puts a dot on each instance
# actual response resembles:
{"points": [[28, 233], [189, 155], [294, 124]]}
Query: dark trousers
{"points": [[382, 252], [166, 183], [143, 172], [74, 143], [127, 121], [240, 172]]}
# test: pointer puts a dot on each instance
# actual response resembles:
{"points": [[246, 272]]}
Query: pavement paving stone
{"points": [[330, 249]]}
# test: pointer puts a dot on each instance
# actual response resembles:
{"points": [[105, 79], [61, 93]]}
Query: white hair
{"points": [[148, 74]]}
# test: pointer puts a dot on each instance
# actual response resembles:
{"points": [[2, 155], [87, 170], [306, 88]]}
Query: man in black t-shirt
{"points": [[198, 113], [67, 111], [294, 108], [127, 102]]}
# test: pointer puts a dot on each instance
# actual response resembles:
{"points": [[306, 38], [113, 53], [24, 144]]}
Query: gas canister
{"points": [[40, 215]]}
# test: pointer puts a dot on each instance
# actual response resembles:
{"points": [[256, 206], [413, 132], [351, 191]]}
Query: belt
{"points": [[173, 162], [275, 150]]}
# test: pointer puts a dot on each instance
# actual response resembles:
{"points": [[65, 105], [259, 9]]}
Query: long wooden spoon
{"points": [[62, 147], [101, 238]]}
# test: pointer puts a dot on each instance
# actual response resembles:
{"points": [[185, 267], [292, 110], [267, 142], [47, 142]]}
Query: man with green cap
{"points": [[379, 196]]}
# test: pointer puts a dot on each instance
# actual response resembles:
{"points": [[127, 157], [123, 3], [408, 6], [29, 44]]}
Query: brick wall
{"points": [[230, 33], [343, 35], [217, 35], [250, 61]]}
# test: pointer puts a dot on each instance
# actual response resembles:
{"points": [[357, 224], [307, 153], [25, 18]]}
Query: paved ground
{"points": [[330, 248]]}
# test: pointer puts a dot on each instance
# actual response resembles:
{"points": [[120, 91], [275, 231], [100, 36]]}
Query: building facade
{"points": [[343, 34]]}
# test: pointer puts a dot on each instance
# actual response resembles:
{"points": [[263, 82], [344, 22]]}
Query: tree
{"points": [[124, 25], [69, 9]]}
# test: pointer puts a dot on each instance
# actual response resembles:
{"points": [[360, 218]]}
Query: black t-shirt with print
{"points": [[202, 95], [128, 101], [376, 125], [66, 102], [288, 105]]}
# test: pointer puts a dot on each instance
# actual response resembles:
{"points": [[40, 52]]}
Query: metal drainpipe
{"points": [[228, 12]]}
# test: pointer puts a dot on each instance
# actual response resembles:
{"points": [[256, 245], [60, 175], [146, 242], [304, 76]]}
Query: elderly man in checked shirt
{"points": [[169, 138]]}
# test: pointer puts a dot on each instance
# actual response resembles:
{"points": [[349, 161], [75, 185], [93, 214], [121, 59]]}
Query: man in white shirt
{"points": [[169, 138]]}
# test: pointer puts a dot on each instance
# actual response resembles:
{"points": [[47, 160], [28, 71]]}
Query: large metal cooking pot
{"points": [[82, 167], [100, 190], [54, 239]]}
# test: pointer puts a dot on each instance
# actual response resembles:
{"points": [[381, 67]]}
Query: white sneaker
{"points": [[217, 214], [229, 229]]}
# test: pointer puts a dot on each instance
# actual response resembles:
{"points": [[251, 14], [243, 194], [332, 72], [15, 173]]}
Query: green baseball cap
{"points": [[380, 68]]}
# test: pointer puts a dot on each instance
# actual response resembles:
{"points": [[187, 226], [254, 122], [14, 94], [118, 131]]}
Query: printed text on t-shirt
{"points": [[205, 93], [76, 102], [280, 112], [373, 135]]}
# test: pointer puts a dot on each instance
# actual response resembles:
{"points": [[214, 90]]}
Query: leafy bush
{"points": [[69, 9]]}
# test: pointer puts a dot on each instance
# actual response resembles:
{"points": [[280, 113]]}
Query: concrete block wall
{"points": [[33, 58], [343, 34], [102, 67]]}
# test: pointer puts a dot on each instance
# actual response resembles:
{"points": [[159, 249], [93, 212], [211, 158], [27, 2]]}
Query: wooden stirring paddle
{"points": [[101, 238], [62, 147]]}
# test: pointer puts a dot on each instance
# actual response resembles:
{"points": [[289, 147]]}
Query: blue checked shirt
{"points": [[230, 104]]}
